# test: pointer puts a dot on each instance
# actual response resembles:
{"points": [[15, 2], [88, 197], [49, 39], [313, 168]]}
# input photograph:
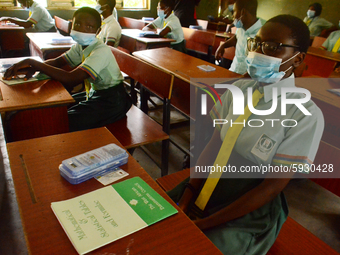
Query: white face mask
{"points": [[98, 8], [84, 39], [265, 68], [310, 14]]}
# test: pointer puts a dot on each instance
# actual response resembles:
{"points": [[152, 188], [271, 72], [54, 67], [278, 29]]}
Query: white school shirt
{"points": [[41, 18], [174, 24], [316, 25], [239, 62], [99, 63], [274, 145], [110, 31], [331, 41]]}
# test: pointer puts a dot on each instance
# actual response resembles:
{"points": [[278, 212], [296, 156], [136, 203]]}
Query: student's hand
{"points": [[22, 67], [219, 52], [201, 224]]}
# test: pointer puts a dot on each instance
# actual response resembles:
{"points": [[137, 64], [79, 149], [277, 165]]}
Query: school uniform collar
{"points": [[170, 16], [268, 89], [255, 27], [108, 19]]}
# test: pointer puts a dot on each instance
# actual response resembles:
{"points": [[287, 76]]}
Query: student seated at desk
{"points": [[110, 31], [105, 100], [314, 22], [227, 14], [243, 214], [247, 25], [169, 23], [332, 42], [39, 19]]}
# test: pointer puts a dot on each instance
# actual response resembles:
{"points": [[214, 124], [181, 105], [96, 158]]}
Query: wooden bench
{"points": [[63, 26], [154, 80], [131, 23], [293, 238], [199, 43], [320, 62]]}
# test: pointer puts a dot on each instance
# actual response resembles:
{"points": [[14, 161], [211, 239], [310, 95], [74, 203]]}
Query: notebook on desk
{"points": [[108, 214], [6, 63]]}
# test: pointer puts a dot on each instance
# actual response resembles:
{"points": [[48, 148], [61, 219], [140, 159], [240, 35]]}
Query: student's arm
{"points": [[149, 27], [207, 157], [230, 43], [164, 31], [250, 201], [67, 78], [19, 22]]}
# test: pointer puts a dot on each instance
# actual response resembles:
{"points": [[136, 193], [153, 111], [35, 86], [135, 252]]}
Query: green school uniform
{"points": [[270, 144], [108, 100]]}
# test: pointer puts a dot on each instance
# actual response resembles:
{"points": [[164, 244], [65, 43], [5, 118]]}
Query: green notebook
{"points": [[37, 77], [108, 214]]}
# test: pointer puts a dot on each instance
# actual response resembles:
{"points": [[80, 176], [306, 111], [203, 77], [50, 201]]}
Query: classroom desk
{"points": [[37, 107], [37, 182], [41, 45], [131, 41], [328, 102], [320, 62], [186, 73], [11, 38]]}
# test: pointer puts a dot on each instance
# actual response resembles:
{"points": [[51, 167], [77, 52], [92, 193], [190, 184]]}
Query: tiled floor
{"points": [[313, 207]]}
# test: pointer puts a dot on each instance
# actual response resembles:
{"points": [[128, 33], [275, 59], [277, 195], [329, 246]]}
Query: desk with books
{"points": [[34, 109], [37, 181], [41, 45], [131, 41]]}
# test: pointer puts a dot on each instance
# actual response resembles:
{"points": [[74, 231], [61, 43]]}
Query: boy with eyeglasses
{"points": [[247, 25], [245, 212], [105, 100]]}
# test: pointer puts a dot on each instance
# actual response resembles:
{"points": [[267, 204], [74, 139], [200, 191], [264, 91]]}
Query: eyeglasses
{"points": [[268, 48]]}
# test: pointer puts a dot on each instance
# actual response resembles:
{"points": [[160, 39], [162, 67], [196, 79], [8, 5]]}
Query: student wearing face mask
{"points": [[247, 25], [110, 31], [105, 99], [314, 22], [39, 19], [243, 213], [332, 42], [169, 24]]}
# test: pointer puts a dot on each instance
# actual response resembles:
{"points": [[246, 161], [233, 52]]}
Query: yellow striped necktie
{"points": [[224, 154], [336, 46], [86, 83]]}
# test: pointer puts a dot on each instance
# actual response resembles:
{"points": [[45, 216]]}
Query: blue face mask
{"points": [[263, 68], [238, 23], [310, 14], [98, 8], [84, 39], [161, 14], [231, 7]]}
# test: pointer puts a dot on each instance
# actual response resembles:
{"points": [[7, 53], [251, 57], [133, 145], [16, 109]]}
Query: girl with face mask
{"points": [[314, 22], [168, 25], [244, 212]]}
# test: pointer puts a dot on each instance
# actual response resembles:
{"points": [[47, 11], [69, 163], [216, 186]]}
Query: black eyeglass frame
{"points": [[260, 44]]}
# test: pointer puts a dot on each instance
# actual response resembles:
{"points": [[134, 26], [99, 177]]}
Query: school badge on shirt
{"points": [[263, 147]]}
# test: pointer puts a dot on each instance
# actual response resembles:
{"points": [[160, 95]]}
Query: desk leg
{"points": [[144, 97]]}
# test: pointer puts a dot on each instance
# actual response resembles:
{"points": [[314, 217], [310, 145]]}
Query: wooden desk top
{"points": [[182, 65], [31, 95], [324, 54], [318, 87], [134, 33], [44, 41], [37, 181], [10, 27]]}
